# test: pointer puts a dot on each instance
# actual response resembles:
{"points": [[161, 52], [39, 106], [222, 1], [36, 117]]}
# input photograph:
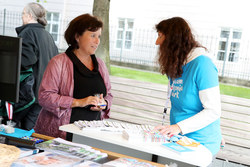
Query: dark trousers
{"points": [[26, 119]]}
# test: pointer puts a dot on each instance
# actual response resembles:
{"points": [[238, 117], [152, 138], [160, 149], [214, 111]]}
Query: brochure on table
{"points": [[201, 156], [67, 148], [48, 159]]}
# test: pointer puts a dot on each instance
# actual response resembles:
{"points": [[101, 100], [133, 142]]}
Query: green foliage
{"points": [[39, 1], [235, 91], [138, 75], [161, 79]]}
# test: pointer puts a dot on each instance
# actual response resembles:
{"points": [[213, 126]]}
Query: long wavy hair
{"points": [[179, 41]]}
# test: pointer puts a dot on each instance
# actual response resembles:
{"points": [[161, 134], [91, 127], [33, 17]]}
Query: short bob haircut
{"points": [[78, 26]]}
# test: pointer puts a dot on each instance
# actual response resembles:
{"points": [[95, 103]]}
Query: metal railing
{"points": [[143, 50]]}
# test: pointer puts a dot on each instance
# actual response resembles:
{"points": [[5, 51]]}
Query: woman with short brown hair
{"points": [[72, 80]]}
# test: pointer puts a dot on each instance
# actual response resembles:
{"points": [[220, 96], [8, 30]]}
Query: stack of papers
{"points": [[110, 126], [67, 148], [144, 136], [126, 162], [48, 159], [177, 148]]}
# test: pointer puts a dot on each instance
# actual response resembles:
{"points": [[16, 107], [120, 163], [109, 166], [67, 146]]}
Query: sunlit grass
{"points": [[235, 91], [138, 75], [161, 79]]}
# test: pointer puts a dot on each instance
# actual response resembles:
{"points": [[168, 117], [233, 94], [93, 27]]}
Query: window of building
{"points": [[53, 25], [229, 45], [124, 33]]}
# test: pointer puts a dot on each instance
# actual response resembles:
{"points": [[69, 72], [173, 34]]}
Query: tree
{"points": [[101, 10]]}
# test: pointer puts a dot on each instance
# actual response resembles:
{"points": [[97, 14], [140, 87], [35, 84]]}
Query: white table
{"points": [[115, 142]]}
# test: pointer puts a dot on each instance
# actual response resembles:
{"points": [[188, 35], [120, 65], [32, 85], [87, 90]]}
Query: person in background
{"points": [[72, 79], [38, 47], [193, 77]]}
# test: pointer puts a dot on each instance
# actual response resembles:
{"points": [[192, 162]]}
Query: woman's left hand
{"points": [[101, 104], [169, 130]]}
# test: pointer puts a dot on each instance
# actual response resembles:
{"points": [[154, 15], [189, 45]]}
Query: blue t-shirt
{"points": [[199, 74]]}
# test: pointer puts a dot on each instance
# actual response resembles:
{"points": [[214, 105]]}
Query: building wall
{"points": [[72, 9], [68, 10], [205, 16]]}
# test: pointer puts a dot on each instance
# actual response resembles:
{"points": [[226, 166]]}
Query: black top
{"points": [[86, 83], [38, 47]]}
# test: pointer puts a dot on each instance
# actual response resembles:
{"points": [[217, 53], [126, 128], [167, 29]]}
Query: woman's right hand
{"points": [[168, 130], [90, 100]]}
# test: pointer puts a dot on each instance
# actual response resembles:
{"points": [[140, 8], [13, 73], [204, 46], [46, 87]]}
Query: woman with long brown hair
{"points": [[193, 78]]}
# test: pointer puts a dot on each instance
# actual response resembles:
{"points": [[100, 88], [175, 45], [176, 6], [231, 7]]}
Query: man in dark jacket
{"points": [[38, 47]]}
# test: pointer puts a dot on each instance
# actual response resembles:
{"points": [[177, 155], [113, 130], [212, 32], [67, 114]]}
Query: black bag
{"points": [[26, 93]]}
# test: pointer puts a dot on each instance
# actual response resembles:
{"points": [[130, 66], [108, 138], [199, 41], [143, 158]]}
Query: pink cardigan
{"points": [[56, 95]]}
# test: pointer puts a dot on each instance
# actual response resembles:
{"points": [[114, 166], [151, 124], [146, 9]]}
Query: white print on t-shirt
{"points": [[177, 88]]}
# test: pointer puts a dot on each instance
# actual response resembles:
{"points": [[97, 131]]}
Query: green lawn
{"points": [[158, 78]]}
